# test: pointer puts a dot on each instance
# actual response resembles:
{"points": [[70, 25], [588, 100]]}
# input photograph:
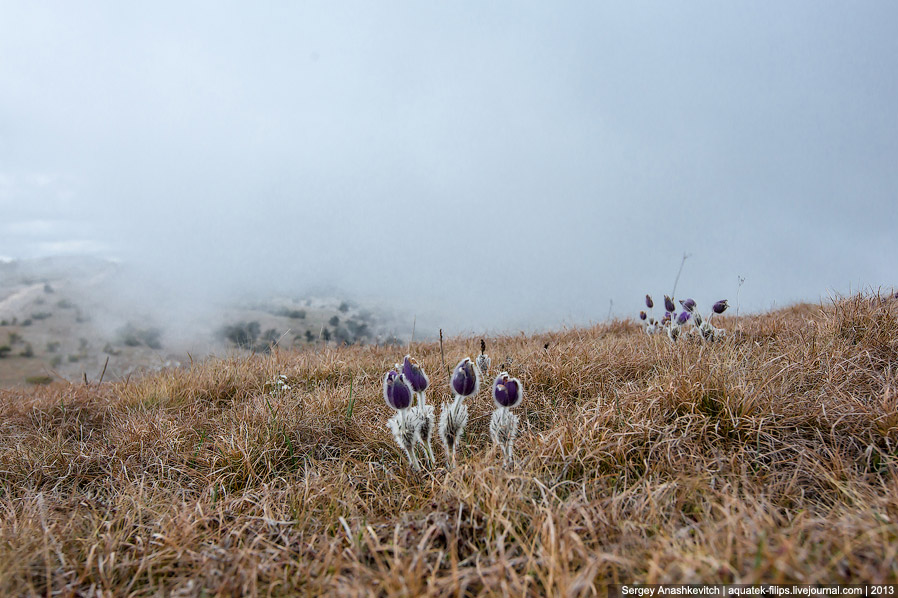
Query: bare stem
{"points": [[680, 271]]}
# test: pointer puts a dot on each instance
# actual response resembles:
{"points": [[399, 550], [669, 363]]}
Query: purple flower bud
{"points": [[648, 302], [669, 304], [507, 392], [643, 315], [688, 305], [720, 307], [414, 374], [397, 391], [465, 378], [683, 317]]}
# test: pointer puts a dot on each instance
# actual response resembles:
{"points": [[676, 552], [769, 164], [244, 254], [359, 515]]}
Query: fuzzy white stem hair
{"points": [[504, 430], [424, 420], [453, 418], [404, 434]]}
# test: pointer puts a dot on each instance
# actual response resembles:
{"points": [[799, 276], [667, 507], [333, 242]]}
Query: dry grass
{"points": [[770, 457]]}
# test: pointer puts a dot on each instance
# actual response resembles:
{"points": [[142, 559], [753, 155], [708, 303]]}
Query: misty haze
{"points": [[481, 168]]}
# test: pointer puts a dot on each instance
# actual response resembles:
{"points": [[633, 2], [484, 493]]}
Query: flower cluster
{"points": [[413, 424], [673, 323], [398, 394]]}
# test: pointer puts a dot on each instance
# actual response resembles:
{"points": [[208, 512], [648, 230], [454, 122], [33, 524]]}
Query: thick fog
{"points": [[495, 166]]}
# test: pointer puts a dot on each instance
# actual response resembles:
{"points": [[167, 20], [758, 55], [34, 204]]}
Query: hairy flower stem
{"points": [[452, 423], [407, 445], [426, 435]]}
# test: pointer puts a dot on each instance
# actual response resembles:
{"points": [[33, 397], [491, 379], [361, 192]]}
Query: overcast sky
{"points": [[485, 164]]}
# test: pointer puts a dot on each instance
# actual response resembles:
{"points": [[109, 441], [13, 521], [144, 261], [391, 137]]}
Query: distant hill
{"points": [[71, 317]]}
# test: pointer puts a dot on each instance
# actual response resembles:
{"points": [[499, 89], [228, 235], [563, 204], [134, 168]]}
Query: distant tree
{"points": [[150, 338], [268, 340], [393, 341], [132, 336], [334, 321], [343, 336], [326, 334], [358, 330], [242, 334]]}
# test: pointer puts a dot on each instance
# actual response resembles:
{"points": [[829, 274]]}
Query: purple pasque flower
{"points": [[683, 318], [465, 379], [643, 316], [648, 302], [414, 374], [669, 304], [507, 392], [688, 304], [720, 307], [398, 392]]}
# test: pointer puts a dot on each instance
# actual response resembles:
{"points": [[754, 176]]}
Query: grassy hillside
{"points": [[769, 457]]}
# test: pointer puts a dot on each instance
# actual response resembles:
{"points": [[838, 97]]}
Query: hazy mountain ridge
{"points": [[63, 317]]}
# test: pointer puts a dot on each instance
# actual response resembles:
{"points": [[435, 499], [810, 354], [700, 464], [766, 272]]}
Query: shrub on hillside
{"points": [[242, 334], [133, 336]]}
